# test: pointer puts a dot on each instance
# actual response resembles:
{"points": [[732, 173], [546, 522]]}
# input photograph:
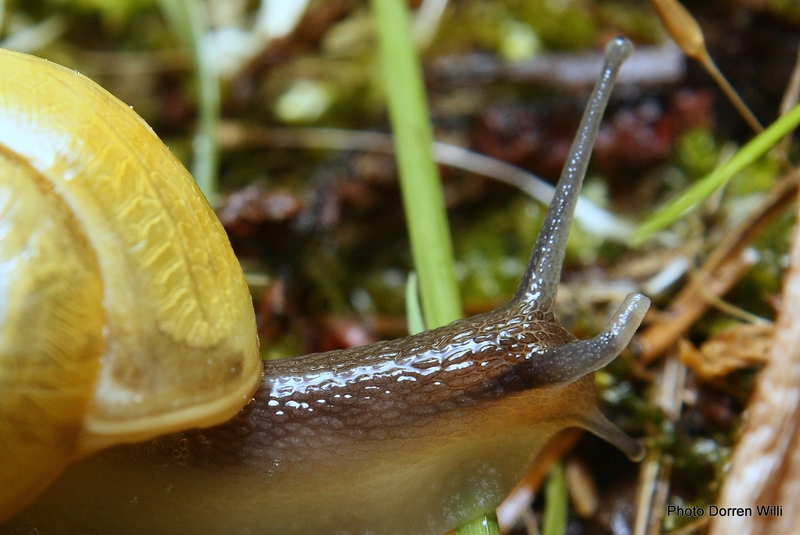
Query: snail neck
{"points": [[460, 365]]}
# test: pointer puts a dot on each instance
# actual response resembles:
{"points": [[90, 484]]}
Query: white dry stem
{"points": [[766, 464]]}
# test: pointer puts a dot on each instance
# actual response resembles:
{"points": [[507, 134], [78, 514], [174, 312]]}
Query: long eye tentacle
{"points": [[539, 284]]}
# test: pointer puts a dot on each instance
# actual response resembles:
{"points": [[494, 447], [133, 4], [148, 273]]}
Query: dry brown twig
{"points": [[654, 476], [766, 462], [721, 270], [765, 469]]}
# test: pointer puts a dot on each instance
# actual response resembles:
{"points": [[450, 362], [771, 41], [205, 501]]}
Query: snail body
{"points": [[415, 435]]}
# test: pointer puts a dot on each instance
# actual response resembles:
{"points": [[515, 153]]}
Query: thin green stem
{"points": [[556, 502], [423, 199], [416, 323], [745, 156], [486, 525], [188, 19]]}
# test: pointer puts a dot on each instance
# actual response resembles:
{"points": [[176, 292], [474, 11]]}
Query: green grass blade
{"points": [[482, 526], [414, 318], [423, 199], [556, 502], [745, 156], [188, 20]]}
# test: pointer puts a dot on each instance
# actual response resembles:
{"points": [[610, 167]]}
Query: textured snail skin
{"points": [[415, 435]]}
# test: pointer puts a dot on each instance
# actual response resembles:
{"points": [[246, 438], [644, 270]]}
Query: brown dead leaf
{"points": [[740, 347]]}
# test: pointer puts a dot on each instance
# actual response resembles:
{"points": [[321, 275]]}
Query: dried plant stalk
{"points": [[766, 464]]}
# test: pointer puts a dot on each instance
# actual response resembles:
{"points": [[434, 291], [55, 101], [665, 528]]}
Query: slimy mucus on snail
{"points": [[129, 359]]}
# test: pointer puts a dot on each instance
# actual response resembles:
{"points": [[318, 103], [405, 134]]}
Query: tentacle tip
{"points": [[630, 314], [640, 300], [619, 49], [603, 428], [641, 303], [636, 452]]}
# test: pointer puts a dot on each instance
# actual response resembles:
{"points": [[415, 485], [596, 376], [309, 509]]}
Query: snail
{"points": [[414, 435]]}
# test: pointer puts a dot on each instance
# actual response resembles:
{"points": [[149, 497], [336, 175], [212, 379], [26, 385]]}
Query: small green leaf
{"points": [[703, 189]]}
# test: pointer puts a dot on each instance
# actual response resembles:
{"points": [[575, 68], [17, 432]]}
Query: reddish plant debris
{"points": [[633, 138]]}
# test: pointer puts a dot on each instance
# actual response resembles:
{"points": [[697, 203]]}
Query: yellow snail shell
{"points": [[115, 261]]}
